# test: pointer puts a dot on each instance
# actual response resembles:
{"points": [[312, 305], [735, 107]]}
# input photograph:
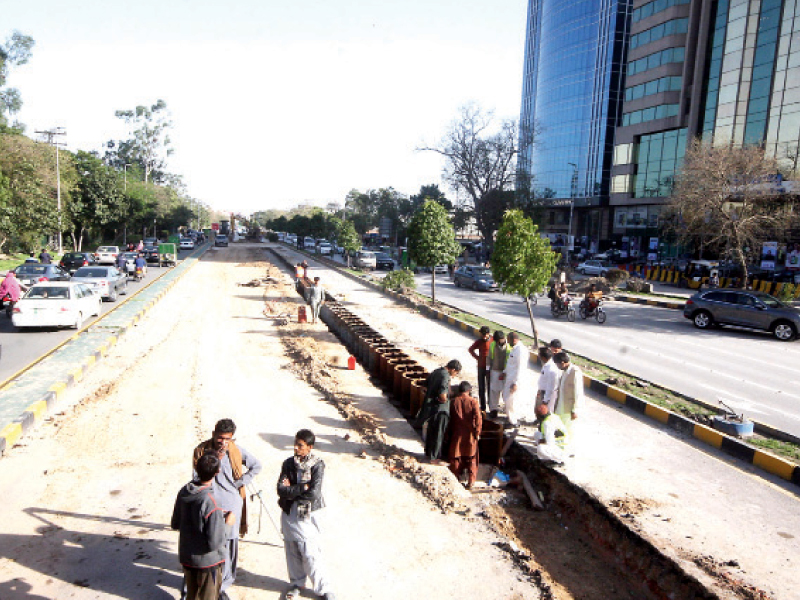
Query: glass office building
{"points": [[572, 97]]}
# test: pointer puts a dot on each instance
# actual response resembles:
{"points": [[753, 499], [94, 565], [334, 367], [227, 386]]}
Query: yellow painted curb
{"points": [[77, 374], [657, 413], [58, 389], [616, 394], [708, 435], [11, 433], [38, 409], [773, 464]]}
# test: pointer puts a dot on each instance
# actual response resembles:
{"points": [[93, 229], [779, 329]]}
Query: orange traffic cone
{"points": [[351, 363], [301, 314]]}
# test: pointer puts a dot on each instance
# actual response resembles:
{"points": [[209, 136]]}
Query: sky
{"points": [[273, 104]]}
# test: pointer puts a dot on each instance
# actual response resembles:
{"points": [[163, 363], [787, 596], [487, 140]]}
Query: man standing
{"points": [[435, 410], [45, 258], [555, 346], [316, 298], [516, 381], [480, 352], [229, 488], [498, 357], [547, 392], [570, 390], [203, 532], [465, 429]]}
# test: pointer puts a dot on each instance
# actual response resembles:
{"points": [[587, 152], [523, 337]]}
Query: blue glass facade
{"points": [[572, 95]]}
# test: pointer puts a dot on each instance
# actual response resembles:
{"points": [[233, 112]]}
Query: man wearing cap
{"points": [[570, 390]]}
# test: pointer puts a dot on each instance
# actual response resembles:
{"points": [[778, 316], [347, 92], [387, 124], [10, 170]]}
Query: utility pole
{"points": [[125, 191], [49, 136]]}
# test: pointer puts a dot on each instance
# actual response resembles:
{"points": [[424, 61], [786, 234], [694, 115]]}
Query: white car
{"points": [[325, 249], [593, 267], [440, 269], [366, 260], [107, 255], [187, 244], [56, 304]]}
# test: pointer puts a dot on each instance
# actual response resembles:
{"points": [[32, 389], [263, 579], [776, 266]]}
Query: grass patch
{"points": [[654, 296], [777, 447]]}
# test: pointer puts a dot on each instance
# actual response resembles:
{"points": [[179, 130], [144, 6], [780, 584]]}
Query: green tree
{"points": [[347, 237], [522, 261], [16, 51], [149, 145], [430, 192], [431, 239], [99, 200]]}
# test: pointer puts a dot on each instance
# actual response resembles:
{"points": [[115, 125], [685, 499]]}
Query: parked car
{"points": [[107, 255], [33, 273], [593, 267], [476, 278], [107, 281], [151, 253], [440, 269], [384, 261], [187, 244], [72, 261], [365, 260], [755, 310], [221, 240], [325, 249], [56, 304]]}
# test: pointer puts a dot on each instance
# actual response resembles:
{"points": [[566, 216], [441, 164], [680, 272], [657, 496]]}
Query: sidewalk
{"points": [[693, 502]]}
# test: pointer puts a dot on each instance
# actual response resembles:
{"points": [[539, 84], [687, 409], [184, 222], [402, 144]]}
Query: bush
{"points": [[617, 277], [787, 293], [399, 281], [272, 236]]}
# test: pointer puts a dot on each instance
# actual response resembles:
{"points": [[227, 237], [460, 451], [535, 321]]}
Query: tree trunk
{"points": [[743, 262], [433, 284], [533, 325]]}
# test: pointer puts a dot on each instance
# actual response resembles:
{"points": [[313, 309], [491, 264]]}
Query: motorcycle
{"points": [[7, 305], [595, 311], [138, 275], [559, 308]]}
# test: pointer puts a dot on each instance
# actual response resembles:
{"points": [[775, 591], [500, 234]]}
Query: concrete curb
{"points": [[649, 302], [38, 410], [733, 447]]}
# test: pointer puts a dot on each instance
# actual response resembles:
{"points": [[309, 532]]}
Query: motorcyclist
{"points": [[12, 288], [563, 295], [122, 263], [140, 263], [590, 301]]}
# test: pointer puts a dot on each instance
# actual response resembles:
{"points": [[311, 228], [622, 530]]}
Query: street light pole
{"points": [[125, 191], [573, 185], [50, 136]]}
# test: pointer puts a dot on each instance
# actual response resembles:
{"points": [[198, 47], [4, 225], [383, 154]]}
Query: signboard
{"points": [[769, 254], [215, 227], [793, 257], [653, 244]]}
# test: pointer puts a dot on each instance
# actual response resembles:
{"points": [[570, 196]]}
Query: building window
{"points": [[663, 84], [673, 27], [655, 7], [651, 61], [658, 157], [662, 111], [621, 184], [623, 154]]}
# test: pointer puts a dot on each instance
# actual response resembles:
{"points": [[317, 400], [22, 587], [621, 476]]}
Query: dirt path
{"points": [[89, 494]]}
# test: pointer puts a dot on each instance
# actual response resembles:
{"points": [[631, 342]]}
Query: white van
{"points": [[366, 260]]}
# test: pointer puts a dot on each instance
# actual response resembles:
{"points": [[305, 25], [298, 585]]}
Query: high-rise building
{"points": [[726, 70], [572, 100]]}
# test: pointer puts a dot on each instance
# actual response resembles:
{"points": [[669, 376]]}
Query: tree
{"points": [[522, 262], [98, 201], [430, 192], [725, 196], [15, 52], [347, 237], [480, 158], [150, 144], [494, 205], [431, 239]]}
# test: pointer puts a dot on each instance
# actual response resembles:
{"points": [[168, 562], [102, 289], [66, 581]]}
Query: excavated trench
{"points": [[576, 547]]}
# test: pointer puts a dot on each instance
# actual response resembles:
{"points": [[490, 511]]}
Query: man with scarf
{"points": [[229, 489], [300, 499]]}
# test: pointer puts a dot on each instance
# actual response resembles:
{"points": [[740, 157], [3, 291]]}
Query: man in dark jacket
{"points": [[435, 412], [300, 499], [202, 525]]}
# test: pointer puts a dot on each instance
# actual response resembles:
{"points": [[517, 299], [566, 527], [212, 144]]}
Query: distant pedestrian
{"points": [[465, 430], [300, 499], [31, 258], [570, 390], [435, 411], [550, 377], [140, 247], [230, 489], [517, 382], [316, 298], [498, 356], [45, 258], [304, 264], [203, 530], [479, 350]]}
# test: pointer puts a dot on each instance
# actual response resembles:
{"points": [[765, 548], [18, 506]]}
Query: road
{"points": [[20, 348], [94, 486], [747, 370]]}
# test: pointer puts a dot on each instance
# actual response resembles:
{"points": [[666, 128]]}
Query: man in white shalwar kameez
{"points": [[517, 390]]}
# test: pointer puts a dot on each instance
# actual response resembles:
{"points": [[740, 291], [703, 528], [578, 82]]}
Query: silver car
{"points": [[593, 267], [755, 310], [106, 281]]}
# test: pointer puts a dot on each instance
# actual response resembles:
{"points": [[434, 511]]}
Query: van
{"points": [[366, 260]]}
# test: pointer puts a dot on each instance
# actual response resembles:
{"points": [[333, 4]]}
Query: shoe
{"points": [[293, 592], [493, 414]]}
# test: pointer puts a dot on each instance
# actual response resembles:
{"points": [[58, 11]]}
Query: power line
{"points": [[49, 136]]}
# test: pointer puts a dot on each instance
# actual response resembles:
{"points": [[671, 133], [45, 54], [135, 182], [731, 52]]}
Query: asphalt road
{"points": [[20, 348], [749, 371]]}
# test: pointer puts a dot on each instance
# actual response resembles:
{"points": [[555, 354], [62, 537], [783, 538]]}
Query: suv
{"points": [[365, 260], [384, 261], [221, 240], [72, 261], [477, 278], [107, 255], [755, 310]]}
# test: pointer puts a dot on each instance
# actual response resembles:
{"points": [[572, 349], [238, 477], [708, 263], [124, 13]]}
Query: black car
{"points": [[151, 254], [72, 261], [31, 273], [384, 261]]}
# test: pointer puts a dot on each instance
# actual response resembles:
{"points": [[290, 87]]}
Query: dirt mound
{"points": [[581, 287]]}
